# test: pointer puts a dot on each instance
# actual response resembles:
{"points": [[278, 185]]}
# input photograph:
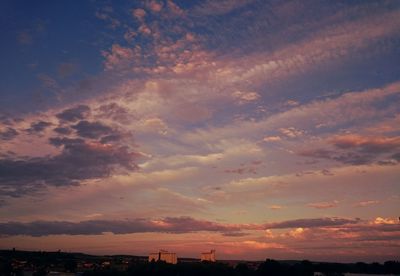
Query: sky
{"points": [[261, 129]]}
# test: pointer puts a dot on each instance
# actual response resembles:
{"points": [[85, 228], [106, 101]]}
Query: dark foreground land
{"points": [[13, 262]]}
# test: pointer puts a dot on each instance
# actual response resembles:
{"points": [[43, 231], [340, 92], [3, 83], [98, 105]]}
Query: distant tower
{"points": [[163, 255], [208, 256]]}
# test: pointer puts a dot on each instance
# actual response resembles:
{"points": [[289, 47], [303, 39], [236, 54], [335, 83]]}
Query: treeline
{"points": [[40, 263], [267, 268]]}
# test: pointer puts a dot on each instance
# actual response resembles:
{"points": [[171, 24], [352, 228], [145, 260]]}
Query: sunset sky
{"points": [[262, 129]]}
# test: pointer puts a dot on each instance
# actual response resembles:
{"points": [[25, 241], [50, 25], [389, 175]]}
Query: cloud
{"points": [[351, 158], [8, 134], [367, 203], [275, 207], [243, 97], [323, 205], [114, 111], [366, 144], [38, 127], [78, 161], [297, 233], [246, 168], [144, 29], [174, 9], [347, 109], [379, 229], [357, 150], [92, 130], [120, 57], [111, 138], [62, 130], [385, 221], [173, 48], [79, 112], [291, 132], [176, 225], [95, 227], [311, 223], [155, 125], [139, 14], [272, 139], [155, 6], [243, 170], [323, 46]]}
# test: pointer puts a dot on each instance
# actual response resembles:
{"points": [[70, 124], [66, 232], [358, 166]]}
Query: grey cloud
{"points": [[78, 161], [354, 158], [92, 227], [64, 141], [311, 223], [188, 224], [348, 156], [114, 111], [235, 234], [357, 149], [327, 172], [62, 130], [79, 112], [95, 227], [111, 138], [92, 130], [176, 225], [391, 238], [8, 134], [317, 153], [392, 160], [376, 228], [396, 156], [38, 126]]}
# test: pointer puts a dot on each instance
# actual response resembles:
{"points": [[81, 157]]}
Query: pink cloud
{"points": [[174, 8], [243, 97], [367, 203], [323, 205], [118, 57], [155, 6], [272, 139], [275, 207], [139, 14], [144, 29], [368, 143]]}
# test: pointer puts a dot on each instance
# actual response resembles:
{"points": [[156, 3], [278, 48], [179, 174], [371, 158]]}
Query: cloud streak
{"points": [[175, 225]]}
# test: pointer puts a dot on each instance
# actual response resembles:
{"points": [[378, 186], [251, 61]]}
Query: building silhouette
{"points": [[163, 255], [208, 256]]}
